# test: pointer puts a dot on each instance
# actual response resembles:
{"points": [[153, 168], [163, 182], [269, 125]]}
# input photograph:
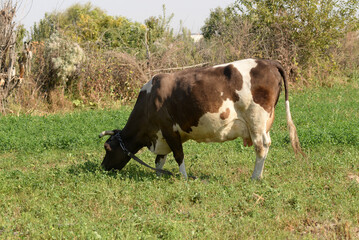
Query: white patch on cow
{"points": [[182, 169], [244, 67], [258, 118], [222, 94], [176, 127], [147, 87], [245, 94], [212, 128], [160, 147]]}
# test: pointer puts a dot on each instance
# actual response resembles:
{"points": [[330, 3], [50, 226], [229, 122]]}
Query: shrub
{"points": [[108, 75], [83, 23], [302, 35], [64, 58], [56, 66]]}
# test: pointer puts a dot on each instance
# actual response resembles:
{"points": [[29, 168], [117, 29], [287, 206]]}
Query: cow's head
{"points": [[116, 157]]}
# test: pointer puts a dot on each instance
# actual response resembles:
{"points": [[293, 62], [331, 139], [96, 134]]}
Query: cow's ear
{"points": [[107, 147]]}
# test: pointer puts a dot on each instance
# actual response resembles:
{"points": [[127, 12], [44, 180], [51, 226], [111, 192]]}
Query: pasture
{"points": [[53, 187]]}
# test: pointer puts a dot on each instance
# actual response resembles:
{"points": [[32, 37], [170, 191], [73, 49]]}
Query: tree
{"points": [[8, 80], [159, 27], [86, 23], [314, 26], [218, 21]]}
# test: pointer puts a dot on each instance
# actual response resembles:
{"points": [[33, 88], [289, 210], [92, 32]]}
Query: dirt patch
{"points": [[353, 177]]}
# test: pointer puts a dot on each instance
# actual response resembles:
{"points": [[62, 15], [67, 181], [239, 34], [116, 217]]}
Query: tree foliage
{"points": [[86, 23], [218, 21], [159, 27], [300, 33], [314, 26]]}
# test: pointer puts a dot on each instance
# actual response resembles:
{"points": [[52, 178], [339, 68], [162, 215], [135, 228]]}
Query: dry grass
{"points": [[110, 78]]}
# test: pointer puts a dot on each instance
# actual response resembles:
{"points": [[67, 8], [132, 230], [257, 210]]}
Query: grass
{"points": [[52, 185]]}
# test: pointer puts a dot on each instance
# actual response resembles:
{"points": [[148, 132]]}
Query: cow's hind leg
{"points": [[160, 161], [261, 145]]}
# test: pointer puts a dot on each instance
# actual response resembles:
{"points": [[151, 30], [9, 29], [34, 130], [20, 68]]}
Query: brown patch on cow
{"points": [[163, 85], [187, 95], [225, 114], [270, 120], [265, 84]]}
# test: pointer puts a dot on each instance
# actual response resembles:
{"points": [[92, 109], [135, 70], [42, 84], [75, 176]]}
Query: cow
{"points": [[208, 104]]}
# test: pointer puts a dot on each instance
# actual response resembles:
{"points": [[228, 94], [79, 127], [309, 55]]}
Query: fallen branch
{"points": [[181, 68]]}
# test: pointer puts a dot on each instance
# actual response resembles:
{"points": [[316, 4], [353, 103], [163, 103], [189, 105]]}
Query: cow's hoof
{"points": [[192, 177], [258, 178]]}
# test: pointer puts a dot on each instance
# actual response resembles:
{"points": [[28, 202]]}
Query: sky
{"points": [[193, 13]]}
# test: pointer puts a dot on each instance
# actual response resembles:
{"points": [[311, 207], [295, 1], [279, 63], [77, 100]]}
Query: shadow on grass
{"points": [[131, 171]]}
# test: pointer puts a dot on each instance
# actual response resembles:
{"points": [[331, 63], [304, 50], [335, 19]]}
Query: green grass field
{"points": [[51, 184]]}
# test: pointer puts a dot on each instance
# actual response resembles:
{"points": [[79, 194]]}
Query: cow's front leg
{"points": [[182, 169], [173, 140], [261, 146], [160, 161], [179, 157]]}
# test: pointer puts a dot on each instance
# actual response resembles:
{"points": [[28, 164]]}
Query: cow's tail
{"points": [[291, 127]]}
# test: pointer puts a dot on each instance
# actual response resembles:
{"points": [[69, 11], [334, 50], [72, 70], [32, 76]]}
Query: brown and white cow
{"points": [[212, 104]]}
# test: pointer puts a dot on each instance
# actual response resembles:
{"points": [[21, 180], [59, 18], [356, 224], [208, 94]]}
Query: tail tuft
{"points": [[293, 132], [292, 129]]}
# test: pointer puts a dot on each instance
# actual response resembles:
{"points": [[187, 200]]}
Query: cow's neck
{"points": [[135, 134], [137, 131], [132, 140]]}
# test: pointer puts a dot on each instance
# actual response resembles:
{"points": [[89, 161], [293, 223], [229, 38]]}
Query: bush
{"points": [[63, 57], [109, 75], [86, 23]]}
